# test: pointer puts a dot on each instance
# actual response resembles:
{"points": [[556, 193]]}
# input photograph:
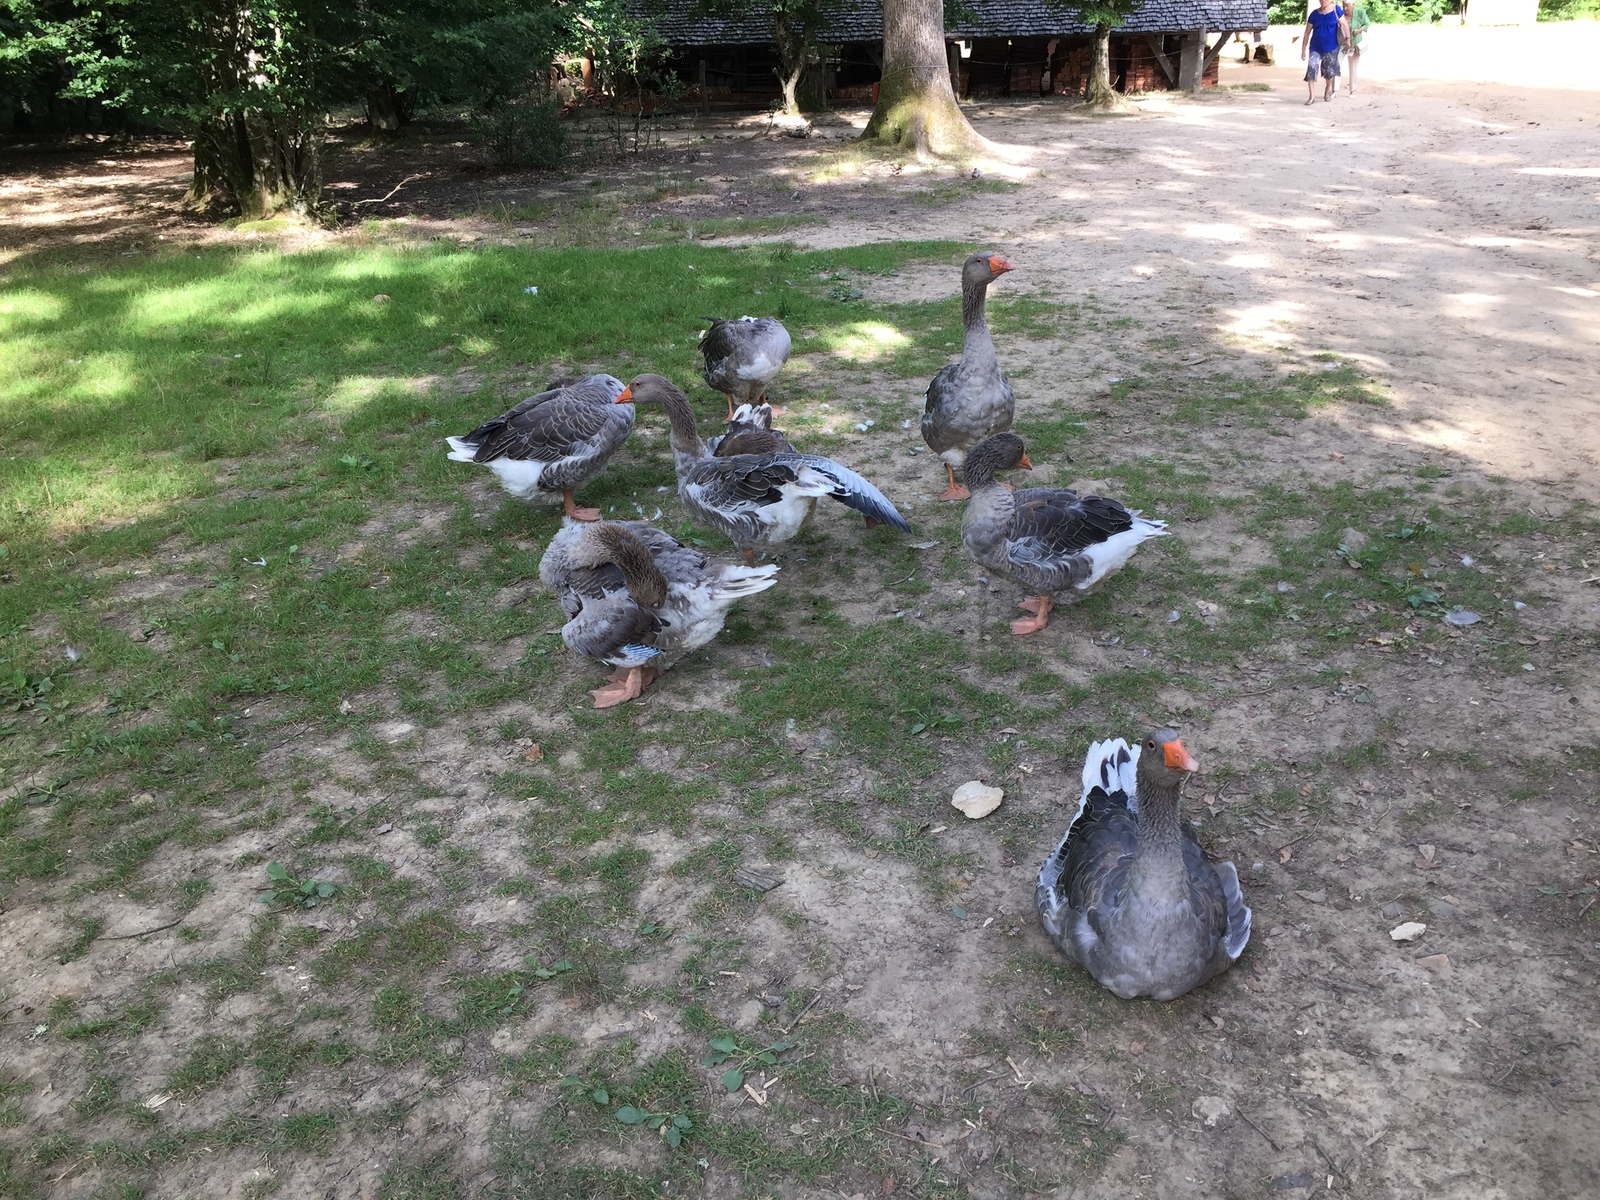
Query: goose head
{"points": [[1001, 452], [650, 389], [983, 268], [1163, 761]]}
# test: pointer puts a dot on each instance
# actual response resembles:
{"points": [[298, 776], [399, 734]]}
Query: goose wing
{"points": [[749, 431], [561, 426], [1215, 896], [1052, 528], [851, 490]]}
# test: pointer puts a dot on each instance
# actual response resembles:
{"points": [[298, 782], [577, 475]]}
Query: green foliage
{"points": [[522, 133], [296, 893], [725, 1048]]}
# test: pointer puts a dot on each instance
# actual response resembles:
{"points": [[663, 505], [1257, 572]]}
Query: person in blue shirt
{"points": [[1325, 31]]}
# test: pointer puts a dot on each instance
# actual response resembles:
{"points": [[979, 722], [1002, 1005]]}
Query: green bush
{"points": [[522, 133]]}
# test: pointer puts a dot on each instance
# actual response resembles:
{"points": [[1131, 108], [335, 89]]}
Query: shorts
{"points": [[1328, 62]]}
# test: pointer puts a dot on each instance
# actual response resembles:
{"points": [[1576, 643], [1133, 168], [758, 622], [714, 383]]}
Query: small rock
{"points": [[1353, 539], [976, 799], [570, 760], [1408, 932], [1136, 1048], [1313, 897], [1436, 962], [381, 298], [1288, 1183], [1441, 908], [386, 827], [1210, 1109], [1284, 587], [1393, 910], [1462, 617]]}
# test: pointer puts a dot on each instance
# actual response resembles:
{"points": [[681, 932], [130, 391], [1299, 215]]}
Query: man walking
{"points": [[1325, 31]]}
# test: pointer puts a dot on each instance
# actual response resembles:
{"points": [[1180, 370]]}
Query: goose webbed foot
{"points": [[629, 687], [1040, 607], [955, 491], [576, 512]]}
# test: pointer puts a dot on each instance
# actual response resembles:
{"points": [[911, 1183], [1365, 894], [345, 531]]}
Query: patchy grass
{"points": [[252, 617]]}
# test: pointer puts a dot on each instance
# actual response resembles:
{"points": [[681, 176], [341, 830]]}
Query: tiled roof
{"points": [[862, 20]]}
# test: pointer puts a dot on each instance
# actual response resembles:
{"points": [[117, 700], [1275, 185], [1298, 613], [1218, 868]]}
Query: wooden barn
{"points": [[997, 48]]}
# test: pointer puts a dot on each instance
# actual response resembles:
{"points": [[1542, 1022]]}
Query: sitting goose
{"points": [[638, 600], [1047, 539], [1129, 895], [556, 441], [969, 400], [758, 500], [743, 356], [750, 431]]}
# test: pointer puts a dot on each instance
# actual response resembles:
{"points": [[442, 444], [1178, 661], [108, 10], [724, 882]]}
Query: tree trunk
{"points": [[248, 158], [1098, 92], [916, 108]]}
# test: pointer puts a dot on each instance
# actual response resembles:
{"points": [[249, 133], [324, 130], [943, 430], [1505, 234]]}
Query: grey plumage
{"points": [[970, 400], [555, 441], [757, 500], [742, 357], [633, 594], [1129, 894], [749, 431]]}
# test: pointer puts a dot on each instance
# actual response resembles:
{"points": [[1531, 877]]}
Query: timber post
{"points": [[1192, 61]]}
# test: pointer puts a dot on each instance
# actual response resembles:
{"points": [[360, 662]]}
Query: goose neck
{"points": [[1159, 825], [974, 321]]}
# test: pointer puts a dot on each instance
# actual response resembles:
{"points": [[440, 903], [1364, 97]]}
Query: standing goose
{"points": [[1129, 895], [743, 356], [969, 400], [638, 600], [750, 431], [757, 500], [556, 441], [1047, 539]]}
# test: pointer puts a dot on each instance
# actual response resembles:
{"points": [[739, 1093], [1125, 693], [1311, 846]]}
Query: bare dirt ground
{"points": [[1434, 235]]}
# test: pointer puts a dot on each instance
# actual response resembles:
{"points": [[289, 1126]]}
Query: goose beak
{"points": [[1024, 463], [626, 396], [1178, 759], [998, 265]]}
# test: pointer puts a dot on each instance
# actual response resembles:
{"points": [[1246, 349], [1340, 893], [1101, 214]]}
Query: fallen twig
{"points": [[392, 190], [1245, 1118], [789, 1028], [122, 937]]}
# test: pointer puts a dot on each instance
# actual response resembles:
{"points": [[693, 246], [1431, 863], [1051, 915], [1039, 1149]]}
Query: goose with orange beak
{"points": [[1050, 540], [969, 400], [1129, 894]]}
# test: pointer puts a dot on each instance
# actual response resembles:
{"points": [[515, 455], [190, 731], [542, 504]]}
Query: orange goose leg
{"points": [[629, 687], [955, 491], [778, 410], [575, 512], [1040, 606]]}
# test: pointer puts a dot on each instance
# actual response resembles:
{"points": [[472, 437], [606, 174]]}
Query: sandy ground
{"points": [[1432, 230]]}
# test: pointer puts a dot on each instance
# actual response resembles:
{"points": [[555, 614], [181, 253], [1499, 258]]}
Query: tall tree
{"points": [[917, 107], [795, 26], [1104, 15]]}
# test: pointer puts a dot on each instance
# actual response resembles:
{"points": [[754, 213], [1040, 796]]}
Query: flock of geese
{"points": [[1129, 894]]}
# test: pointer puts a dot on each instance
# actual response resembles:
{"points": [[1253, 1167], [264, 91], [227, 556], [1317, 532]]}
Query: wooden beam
{"points": [[1155, 42], [1211, 54]]}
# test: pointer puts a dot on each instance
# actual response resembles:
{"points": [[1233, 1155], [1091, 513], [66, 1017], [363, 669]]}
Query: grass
{"points": [[293, 624]]}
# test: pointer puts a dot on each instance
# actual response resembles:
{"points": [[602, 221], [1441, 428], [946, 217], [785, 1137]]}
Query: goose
{"points": [[638, 600], [749, 431], [969, 400], [1129, 895], [1047, 539], [556, 441], [757, 500], [743, 356]]}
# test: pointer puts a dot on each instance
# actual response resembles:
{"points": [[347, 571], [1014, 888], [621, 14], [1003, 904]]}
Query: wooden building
{"points": [[998, 48]]}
